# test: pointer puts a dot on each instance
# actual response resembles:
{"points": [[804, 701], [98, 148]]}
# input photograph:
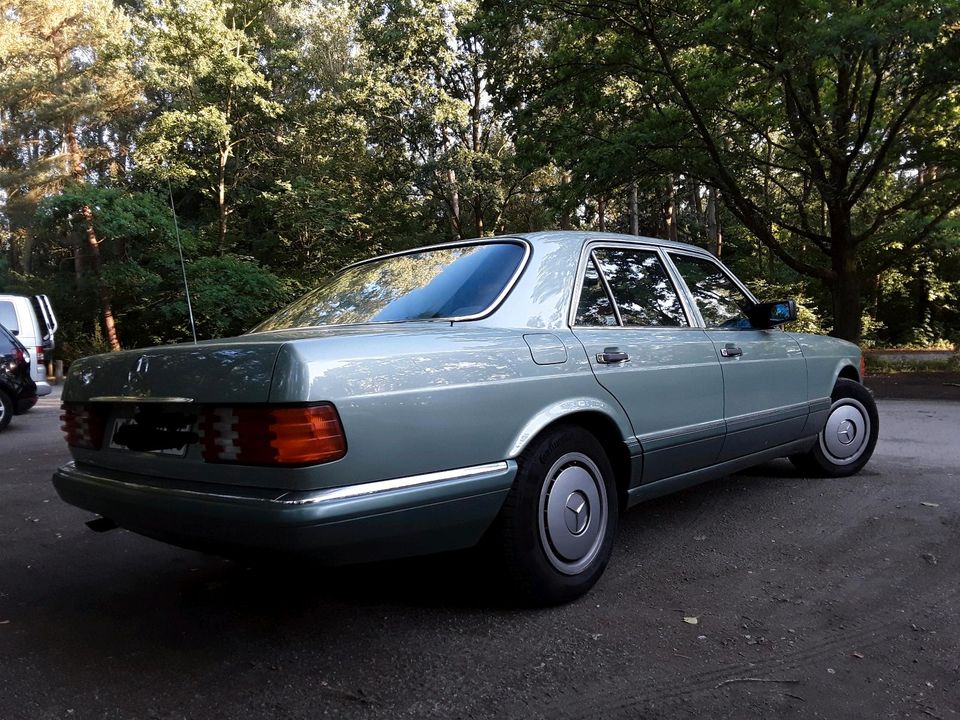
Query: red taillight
{"points": [[272, 435], [41, 356], [863, 366], [83, 426], [18, 356]]}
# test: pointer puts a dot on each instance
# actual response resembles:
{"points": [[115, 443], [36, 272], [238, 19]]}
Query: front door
{"points": [[645, 351], [764, 372]]}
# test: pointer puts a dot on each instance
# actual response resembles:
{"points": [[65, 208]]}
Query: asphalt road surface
{"points": [[813, 598]]}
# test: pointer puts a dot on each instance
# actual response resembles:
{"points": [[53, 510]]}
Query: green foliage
{"points": [[798, 113], [814, 144], [141, 266], [230, 294]]}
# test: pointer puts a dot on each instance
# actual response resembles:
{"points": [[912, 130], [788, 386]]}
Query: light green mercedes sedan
{"points": [[521, 391]]}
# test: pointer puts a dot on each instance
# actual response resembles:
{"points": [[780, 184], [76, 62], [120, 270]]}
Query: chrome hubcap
{"points": [[845, 436], [573, 513]]}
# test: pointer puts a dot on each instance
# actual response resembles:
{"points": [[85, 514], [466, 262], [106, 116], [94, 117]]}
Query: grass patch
{"points": [[881, 366]]}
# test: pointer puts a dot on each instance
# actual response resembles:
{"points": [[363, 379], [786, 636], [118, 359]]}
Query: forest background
{"points": [[813, 144]]}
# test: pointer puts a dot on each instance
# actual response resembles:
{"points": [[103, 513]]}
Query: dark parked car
{"points": [[18, 391]]}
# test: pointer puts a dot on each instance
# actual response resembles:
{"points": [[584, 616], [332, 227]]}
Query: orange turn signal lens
{"points": [[303, 435]]}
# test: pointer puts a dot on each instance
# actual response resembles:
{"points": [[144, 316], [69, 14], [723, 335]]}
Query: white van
{"points": [[32, 320]]}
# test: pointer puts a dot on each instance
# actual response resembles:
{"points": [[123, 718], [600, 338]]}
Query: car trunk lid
{"points": [[217, 372]]}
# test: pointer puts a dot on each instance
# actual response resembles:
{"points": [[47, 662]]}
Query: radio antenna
{"points": [[183, 266]]}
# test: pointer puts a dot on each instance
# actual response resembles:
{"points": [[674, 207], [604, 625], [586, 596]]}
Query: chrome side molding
{"points": [[139, 400]]}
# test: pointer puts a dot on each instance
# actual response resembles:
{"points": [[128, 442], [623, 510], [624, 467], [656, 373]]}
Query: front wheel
{"points": [[555, 530], [846, 442]]}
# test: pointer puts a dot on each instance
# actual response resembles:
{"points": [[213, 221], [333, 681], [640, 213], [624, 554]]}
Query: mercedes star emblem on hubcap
{"points": [[846, 432], [577, 512]]}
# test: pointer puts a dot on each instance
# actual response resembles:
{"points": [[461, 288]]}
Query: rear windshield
{"points": [[434, 284], [8, 316]]}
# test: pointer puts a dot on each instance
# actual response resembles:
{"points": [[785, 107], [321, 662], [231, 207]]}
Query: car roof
{"points": [[589, 235], [544, 237]]}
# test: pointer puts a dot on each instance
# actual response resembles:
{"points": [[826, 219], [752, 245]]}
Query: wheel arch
{"points": [[847, 371], [610, 428]]}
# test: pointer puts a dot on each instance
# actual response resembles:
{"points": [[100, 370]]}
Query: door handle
{"points": [[731, 350], [612, 356]]}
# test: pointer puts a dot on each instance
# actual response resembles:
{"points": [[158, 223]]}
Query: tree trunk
{"points": [[602, 214], [92, 245], [222, 200], [634, 216], [454, 203], [696, 208], [670, 211], [565, 211], [106, 306], [714, 233], [74, 160], [845, 285], [846, 307]]}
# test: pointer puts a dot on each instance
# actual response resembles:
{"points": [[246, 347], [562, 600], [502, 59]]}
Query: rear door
{"points": [[46, 319], [764, 373], [644, 349]]}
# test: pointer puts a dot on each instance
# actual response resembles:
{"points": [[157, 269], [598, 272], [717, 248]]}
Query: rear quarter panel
{"points": [[464, 395]]}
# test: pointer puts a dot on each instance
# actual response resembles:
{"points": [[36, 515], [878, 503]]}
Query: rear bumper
{"points": [[370, 521], [43, 388]]}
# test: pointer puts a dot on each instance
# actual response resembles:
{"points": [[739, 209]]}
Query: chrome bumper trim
{"points": [[293, 499], [372, 488]]}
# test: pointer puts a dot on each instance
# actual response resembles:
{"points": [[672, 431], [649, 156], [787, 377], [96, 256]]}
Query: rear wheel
{"points": [[6, 409], [846, 442], [555, 530]]}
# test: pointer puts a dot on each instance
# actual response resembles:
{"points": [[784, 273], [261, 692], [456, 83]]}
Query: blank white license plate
{"points": [[119, 423]]}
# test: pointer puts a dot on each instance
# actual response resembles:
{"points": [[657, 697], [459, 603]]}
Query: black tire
{"points": [[849, 436], [6, 409], [550, 550]]}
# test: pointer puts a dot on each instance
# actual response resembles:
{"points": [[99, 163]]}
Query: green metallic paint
{"points": [[422, 397], [201, 515], [671, 389]]}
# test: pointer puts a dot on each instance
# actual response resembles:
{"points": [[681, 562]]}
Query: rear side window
{"points": [[720, 301], [8, 316], [642, 290], [595, 307]]}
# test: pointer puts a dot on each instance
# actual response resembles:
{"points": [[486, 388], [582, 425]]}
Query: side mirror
{"points": [[770, 314]]}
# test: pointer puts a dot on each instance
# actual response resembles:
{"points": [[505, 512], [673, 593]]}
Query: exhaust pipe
{"points": [[101, 525]]}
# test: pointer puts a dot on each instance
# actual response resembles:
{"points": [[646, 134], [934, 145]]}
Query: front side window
{"points": [[641, 288], [430, 285], [721, 303]]}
